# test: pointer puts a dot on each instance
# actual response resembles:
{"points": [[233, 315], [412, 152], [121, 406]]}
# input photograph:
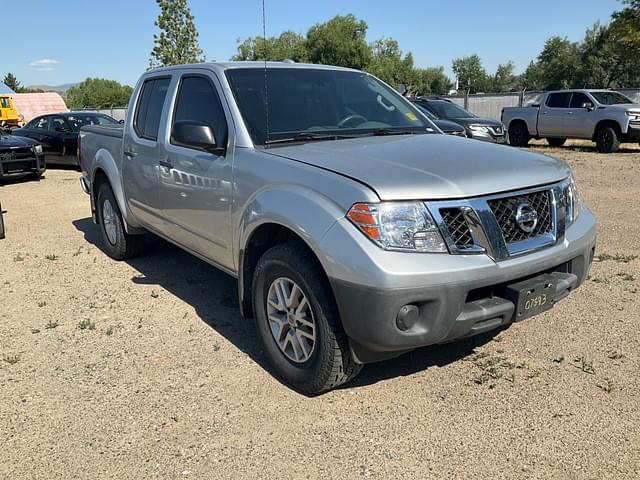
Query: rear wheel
{"points": [[117, 243], [556, 142], [298, 321], [607, 139], [518, 134]]}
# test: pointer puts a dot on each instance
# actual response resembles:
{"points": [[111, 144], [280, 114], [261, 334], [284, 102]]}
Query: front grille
{"points": [[505, 209], [457, 226]]}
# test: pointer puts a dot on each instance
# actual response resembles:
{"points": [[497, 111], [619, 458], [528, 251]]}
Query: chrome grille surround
{"points": [[488, 232]]}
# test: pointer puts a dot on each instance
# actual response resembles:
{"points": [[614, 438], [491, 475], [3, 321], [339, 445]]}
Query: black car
{"points": [[19, 156], [479, 128], [58, 133], [447, 126]]}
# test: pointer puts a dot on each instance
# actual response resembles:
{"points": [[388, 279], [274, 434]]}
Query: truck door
{"points": [[142, 151], [195, 183], [552, 119], [582, 120]]}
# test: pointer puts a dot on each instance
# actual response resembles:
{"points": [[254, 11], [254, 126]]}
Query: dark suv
{"points": [[479, 128]]}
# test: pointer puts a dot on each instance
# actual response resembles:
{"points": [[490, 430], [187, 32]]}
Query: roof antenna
{"points": [[266, 85]]}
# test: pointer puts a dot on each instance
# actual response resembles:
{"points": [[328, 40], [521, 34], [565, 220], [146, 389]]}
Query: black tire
{"points": [[122, 246], [607, 139], [518, 134], [556, 142], [330, 362]]}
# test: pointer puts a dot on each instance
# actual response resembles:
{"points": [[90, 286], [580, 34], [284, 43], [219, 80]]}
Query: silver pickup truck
{"points": [[608, 118], [356, 230]]}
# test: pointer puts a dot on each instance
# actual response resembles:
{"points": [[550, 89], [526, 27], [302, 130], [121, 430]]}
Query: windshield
{"points": [[4, 102], [610, 98], [448, 110], [310, 101], [77, 121]]}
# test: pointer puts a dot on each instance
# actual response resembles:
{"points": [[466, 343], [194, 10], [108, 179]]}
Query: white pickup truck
{"points": [[608, 118]]}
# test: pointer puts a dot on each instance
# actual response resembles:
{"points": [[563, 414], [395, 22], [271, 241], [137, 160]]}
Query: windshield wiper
{"points": [[308, 137], [394, 131]]}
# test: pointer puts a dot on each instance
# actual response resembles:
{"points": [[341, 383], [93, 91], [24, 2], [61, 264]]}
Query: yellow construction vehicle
{"points": [[8, 114]]}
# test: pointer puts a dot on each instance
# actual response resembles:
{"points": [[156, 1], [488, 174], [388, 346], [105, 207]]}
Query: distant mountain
{"points": [[57, 89]]}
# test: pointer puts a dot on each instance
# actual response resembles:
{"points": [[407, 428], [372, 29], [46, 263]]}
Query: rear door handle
{"points": [[166, 163]]}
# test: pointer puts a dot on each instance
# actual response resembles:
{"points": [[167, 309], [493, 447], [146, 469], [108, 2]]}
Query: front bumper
{"points": [[633, 133], [11, 166], [456, 295]]}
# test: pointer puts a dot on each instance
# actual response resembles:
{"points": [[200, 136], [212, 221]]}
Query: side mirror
{"points": [[588, 105], [121, 121], [402, 89], [187, 133]]}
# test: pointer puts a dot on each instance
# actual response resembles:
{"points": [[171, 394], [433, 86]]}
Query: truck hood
{"points": [[429, 166], [627, 107]]}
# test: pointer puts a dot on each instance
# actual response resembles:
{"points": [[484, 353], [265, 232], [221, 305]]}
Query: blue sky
{"points": [[65, 41]]}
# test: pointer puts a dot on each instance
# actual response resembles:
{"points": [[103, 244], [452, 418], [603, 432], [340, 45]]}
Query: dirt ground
{"points": [[144, 369]]}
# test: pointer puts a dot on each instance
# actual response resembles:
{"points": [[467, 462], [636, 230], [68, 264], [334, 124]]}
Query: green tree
{"points": [[559, 63], [471, 74], [429, 81], [340, 41], [624, 44], [288, 45], [98, 93], [504, 80], [12, 82], [177, 42], [388, 64]]}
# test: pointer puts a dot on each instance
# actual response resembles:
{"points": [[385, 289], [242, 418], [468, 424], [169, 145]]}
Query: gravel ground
{"points": [[144, 369]]}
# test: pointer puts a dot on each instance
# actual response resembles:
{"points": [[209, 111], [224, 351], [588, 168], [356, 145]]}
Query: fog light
{"points": [[407, 317]]}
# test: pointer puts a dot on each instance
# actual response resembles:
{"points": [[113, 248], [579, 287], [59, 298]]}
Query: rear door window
{"points": [[559, 100], [149, 111]]}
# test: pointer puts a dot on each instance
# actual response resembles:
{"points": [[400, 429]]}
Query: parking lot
{"points": [[144, 369]]}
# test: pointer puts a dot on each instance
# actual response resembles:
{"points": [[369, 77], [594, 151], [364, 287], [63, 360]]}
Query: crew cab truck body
{"points": [[606, 117], [356, 230]]}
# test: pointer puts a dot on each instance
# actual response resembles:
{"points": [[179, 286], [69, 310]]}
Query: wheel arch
{"points": [[106, 170], [606, 123], [261, 239]]}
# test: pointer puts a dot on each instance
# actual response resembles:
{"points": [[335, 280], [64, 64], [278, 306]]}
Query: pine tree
{"points": [[177, 42], [12, 82]]}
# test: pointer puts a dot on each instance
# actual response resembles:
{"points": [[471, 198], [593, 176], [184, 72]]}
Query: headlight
{"points": [[573, 201], [38, 149], [633, 116], [400, 226], [479, 128]]}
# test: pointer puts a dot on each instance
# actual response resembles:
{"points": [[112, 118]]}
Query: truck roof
{"points": [[252, 64], [581, 90]]}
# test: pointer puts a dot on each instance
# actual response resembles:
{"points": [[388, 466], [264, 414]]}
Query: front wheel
{"points": [[518, 134], [298, 321], [607, 139], [117, 243]]}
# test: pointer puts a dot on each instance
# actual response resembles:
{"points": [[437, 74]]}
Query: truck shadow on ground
{"points": [[214, 296]]}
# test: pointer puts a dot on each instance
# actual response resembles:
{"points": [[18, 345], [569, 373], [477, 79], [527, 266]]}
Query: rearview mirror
{"points": [[190, 134]]}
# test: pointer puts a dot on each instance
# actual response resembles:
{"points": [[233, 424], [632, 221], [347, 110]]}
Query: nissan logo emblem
{"points": [[526, 217]]}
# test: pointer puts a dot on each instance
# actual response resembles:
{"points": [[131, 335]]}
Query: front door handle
{"points": [[166, 163], [130, 154]]}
